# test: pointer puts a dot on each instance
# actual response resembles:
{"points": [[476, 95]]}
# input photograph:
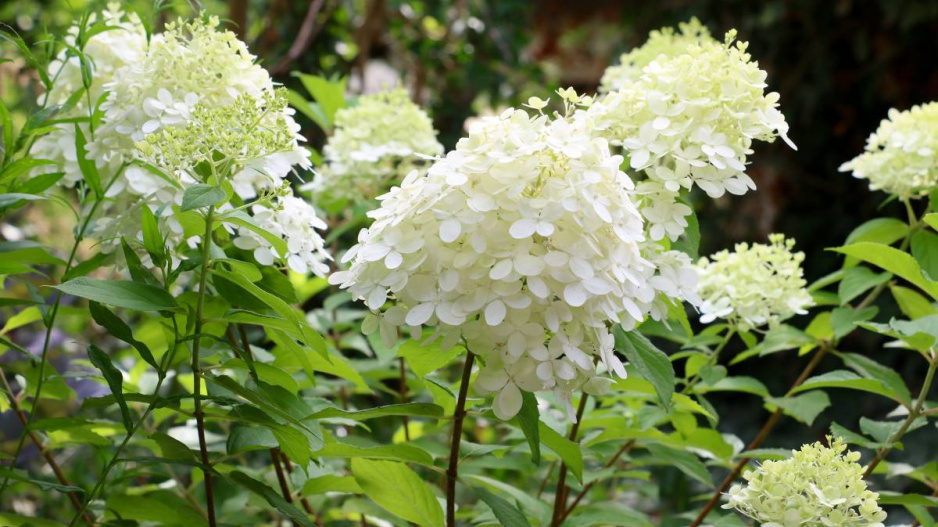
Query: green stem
{"points": [[914, 414], [164, 365], [50, 325], [197, 373], [713, 359]]}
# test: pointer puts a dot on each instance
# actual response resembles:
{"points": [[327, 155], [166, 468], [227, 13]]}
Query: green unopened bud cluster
{"points": [[819, 486], [226, 136]]}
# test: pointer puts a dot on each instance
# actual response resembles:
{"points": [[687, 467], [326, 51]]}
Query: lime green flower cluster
{"points": [[901, 156], [817, 487], [754, 285], [229, 137], [665, 41], [376, 143]]}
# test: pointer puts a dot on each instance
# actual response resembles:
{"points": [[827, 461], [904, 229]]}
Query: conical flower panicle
{"points": [[527, 242]]}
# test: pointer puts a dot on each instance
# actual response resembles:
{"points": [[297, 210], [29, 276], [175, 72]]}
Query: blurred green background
{"points": [[838, 64]]}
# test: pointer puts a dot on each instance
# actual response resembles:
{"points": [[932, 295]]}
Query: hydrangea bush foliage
{"points": [[519, 331]]}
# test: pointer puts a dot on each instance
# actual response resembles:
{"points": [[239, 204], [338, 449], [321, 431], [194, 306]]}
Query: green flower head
{"points": [[819, 486]]}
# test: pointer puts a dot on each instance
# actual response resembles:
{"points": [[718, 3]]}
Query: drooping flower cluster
{"points": [[817, 487], [662, 42], [376, 143], [190, 63], [527, 242], [691, 120], [901, 156], [123, 42], [754, 285]]}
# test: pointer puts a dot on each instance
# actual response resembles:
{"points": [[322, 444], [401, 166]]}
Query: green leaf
{"points": [[932, 220], [845, 319], [853, 438], [119, 293], [894, 498], [857, 281], [89, 170], [247, 438], [609, 513], [528, 420], [19, 475], [911, 303], [424, 359], [391, 410], [118, 329], [399, 490], [893, 260], [333, 363], [115, 381], [871, 369], [22, 167], [848, 380], [241, 219], [686, 462], [309, 336], [879, 230], [331, 483], [152, 238], [883, 431], [273, 497], [402, 452], [329, 94], [805, 407], [650, 362], [172, 448], [925, 251], [736, 384], [569, 452], [507, 514], [199, 196]]}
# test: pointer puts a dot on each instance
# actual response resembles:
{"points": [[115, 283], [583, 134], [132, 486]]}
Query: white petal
{"points": [[523, 228], [450, 230], [507, 403], [495, 312], [419, 314], [575, 295]]}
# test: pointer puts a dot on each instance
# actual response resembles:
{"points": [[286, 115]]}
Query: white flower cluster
{"points": [[818, 486], [690, 120], [901, 156], [664, 41], [376, 143], [755, 285], [526, 242], [123, 43], [190, 63], [295, 221]]}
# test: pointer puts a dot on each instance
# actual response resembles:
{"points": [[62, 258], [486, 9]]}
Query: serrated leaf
{"points": [[89, 170], [924, 248], [805, 407], [272, 496], [391, 410], [857, 281], [152, 238], [119, 293], [507, 514], [120, 330], [172, 448], [528, 420], [847, 380], [426, 358], [402, 452], [331, 483], [569, 452], [893, 260], [911, 303], [686, 462], [652, 363], [398, 490], [200, 196], [871, 369], [115, 381], [845, 319]]}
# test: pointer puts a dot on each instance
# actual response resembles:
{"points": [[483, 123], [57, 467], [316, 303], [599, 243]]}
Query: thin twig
{"points": [[59, 475], [404, 398], [560, 494], [304, 38], [284, 488], [625, 448], [458, 415], [760, 438], [914, 414]]}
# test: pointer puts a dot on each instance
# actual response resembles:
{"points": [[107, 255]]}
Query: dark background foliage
{"points": [[839, 66]]}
